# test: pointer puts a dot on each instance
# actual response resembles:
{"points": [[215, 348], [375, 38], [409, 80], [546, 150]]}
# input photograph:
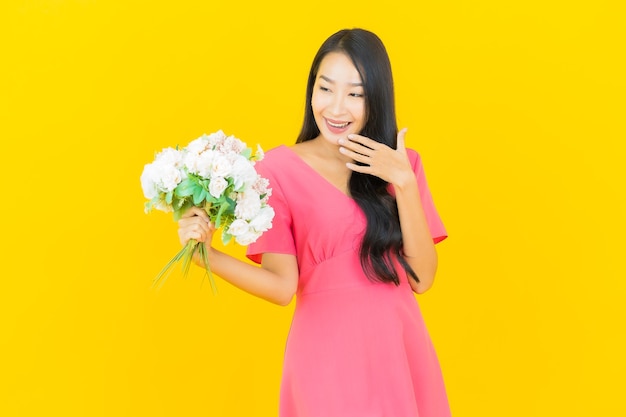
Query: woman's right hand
{"points": [[276, 281], [195, 224]]}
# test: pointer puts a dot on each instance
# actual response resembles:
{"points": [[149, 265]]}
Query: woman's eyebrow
{"points": [[325, 78]]}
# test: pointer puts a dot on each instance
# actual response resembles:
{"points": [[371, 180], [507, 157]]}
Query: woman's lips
{"points": [[336, 126]]}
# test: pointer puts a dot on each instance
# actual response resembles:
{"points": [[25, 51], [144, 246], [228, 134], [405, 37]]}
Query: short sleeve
{"points": [[279, 238], [435, 225]]}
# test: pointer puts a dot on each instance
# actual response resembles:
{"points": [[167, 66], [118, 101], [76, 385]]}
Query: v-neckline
{"points": [[315, 172]]}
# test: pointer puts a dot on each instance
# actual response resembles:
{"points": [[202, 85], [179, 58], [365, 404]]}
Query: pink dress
{"points": [[356, 348]]}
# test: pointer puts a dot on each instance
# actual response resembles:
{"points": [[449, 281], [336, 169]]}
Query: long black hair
{"points": [[382, 241]]}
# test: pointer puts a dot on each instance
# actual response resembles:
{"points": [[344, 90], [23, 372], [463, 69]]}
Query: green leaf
{"points": [[226, 238], [178, 202], [218, 219], [178, 212], [186, 187], [198, 195]]}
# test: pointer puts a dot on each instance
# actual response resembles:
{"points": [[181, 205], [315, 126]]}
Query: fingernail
{"points": [[341, 141], [351, 136]]}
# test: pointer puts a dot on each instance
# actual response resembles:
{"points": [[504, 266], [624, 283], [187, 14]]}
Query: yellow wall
{"points": [[517, 108]]}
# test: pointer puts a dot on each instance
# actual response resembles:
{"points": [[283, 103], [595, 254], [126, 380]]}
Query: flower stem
{"points": [[185, 255]]}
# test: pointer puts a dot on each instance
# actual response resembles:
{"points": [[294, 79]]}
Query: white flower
{"points": [[217, 185], [243, 172], [241, 231], [200, 164], [239, 227], [247, 238], [248, 205], [164, 174], [215, 139], [198, 146], [170, 156], [231, 145], [263, 220], [148, 181], [220, 166], [170, 178], [261, 186]]}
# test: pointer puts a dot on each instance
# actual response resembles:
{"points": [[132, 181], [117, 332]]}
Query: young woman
{"points": [[353, 238]]}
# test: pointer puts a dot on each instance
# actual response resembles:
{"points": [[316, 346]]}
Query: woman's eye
{"points": [[324, 88], [356, 95]]}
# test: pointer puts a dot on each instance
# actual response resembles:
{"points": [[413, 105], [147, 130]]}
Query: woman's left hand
{"points": [[391, 165]]}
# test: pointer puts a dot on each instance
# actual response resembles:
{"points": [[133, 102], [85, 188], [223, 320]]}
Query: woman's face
{"points": [[338, 100]]}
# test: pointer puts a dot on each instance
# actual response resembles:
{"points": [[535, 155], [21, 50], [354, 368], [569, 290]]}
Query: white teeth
{"points": [[339, 126]]}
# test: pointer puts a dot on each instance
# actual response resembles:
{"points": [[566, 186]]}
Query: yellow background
{"points": [[516, 106]]}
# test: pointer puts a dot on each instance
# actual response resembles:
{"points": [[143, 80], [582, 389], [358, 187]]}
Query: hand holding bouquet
{"points": [[216, 173]]}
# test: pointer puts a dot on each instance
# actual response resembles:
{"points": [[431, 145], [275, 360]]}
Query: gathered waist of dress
{"points": [[343, 273]]}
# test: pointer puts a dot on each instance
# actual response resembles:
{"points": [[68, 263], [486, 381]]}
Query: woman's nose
{"points": [[338, 104]]}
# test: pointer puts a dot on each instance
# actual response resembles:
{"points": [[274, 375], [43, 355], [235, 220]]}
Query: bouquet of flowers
{"points": [[216, 173]]}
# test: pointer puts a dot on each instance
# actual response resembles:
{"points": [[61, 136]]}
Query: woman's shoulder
{"points": [[275, 160], [277, 152]]}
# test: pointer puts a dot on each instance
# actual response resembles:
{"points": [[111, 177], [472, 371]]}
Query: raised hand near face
{"points": [[391, 165]]}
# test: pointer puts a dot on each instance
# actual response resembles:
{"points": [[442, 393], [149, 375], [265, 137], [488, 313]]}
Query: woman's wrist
{"points": [[405, 183]]}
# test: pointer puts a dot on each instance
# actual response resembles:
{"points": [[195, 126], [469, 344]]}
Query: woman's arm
{"points": [[419, 248], [275, 281], [393, 166]]}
